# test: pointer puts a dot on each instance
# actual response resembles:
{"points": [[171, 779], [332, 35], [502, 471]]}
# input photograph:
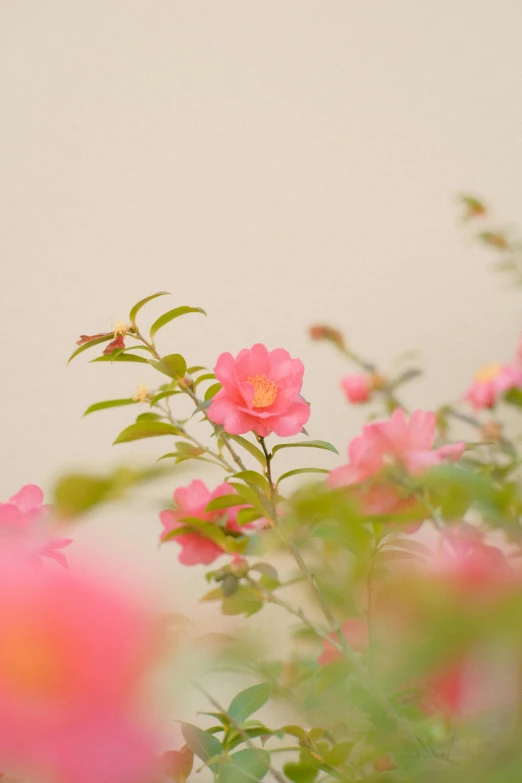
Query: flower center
{"points": [[488, 373], [265, 391]]}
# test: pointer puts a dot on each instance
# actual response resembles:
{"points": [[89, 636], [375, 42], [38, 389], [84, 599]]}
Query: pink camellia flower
{"points": [[382, 498], [260, 393], [191, 501], [472, 567], [410, 443], [357, 387], [491, 382], [25, 526], [75, 655], [356, 633]]}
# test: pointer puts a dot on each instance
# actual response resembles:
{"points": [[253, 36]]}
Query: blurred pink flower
{"points": [[25, 526], [355, 632], [467, 563], [381, 498], [410, 443], [260, 393], [191, 501], [491, 382], [356, 387], [74, 655]]}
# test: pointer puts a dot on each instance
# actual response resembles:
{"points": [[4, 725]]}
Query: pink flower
{"points": [[356, 633], [469, 565], [410, 443], [356, 387], [491, 382], [74, 657], [260, 393], [382, 498], [25, 526], [191, 501]]}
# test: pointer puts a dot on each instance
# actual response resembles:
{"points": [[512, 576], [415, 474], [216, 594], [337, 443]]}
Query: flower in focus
{"points": [[409, 443], [491, 382], [356, 633], [260, 393], [357, 387], [74, 655], [191, 501], [25, 527]]}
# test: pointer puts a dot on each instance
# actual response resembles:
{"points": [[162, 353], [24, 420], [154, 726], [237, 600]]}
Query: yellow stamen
{"points": [[142, 393], [121, 328], [488, 373], [265, 390]]}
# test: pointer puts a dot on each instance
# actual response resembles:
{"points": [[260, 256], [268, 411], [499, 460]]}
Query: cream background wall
{"points": [[276, 163]]}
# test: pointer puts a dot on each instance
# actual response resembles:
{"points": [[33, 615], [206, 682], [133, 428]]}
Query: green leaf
{"points": [[225, 501], [146, 429], [120, 357], [100, 406], [201, 407], [253, 450], [247, 766], [170, 315], [163, 395], [249, 701], [212, 391], [173, 365], [245, 601], [253, 498], [205, 529], [300, 773], [297, 471], [137, 307], [148, 416], [203, 744], [90, 344], [76, 493], [247, 515], [266, 569], [310, 444], [253, 477], [514, 397], [209, 376]]}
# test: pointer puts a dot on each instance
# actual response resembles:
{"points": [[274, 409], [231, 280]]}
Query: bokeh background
{"points": [[277, 163]]}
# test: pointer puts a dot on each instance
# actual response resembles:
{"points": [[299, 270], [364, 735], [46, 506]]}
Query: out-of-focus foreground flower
{"points": [[26, 527], [74, 657]]}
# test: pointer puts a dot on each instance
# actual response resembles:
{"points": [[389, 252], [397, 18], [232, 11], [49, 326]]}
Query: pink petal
{"points": [[282, 366], [169, 520], [421, 430], [225, 371], [252, 362], [196, 549], [345, 476], [291, 421], [28, 498], [248, 393], [225, 411], [192, 499]]}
